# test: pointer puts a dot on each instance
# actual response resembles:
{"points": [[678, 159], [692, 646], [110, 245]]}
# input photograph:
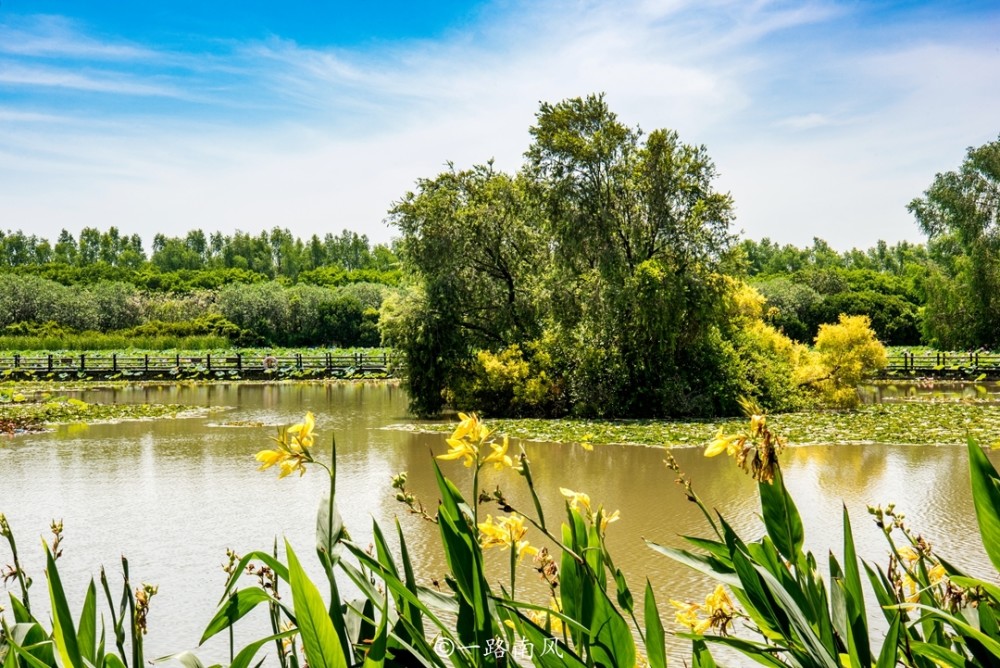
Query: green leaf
{"points": [[759, 652], [323, 648], [890, 648], [781, 517], [329, 530], [940, 655], [817, 652], [238, 605], [247, 654], [986, 497], [655, 645], [113, 661], [623, 593], [700, 656], [63, 633], [86, 635], [698, 562], [561, 656], [408, 611], [375, 657], [611, 640]]}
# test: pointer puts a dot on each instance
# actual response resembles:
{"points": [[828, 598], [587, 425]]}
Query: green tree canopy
{"points": [[964, 205]]}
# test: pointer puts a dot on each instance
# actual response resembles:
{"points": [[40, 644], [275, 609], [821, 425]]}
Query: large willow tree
{"points": [[601, 263]]}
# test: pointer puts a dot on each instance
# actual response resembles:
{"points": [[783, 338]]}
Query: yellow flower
{"points": [[302, 433], [470, 427], [718, 608], [936, 574], [546, 620], [505, 532], [499, 457], [719, 444], [461, 448], [290, 455], [687, 615], [908, 553], [757, 424], [607, 519], [576, 499]]}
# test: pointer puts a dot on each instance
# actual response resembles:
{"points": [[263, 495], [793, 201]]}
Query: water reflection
{"points": [[174, 494]]}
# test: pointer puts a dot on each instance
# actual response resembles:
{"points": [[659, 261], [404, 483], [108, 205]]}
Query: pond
{"points": [[173, 494]]}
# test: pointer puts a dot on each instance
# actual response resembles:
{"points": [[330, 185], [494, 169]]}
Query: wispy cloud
{"points": [[59, 37], [816, 129]]}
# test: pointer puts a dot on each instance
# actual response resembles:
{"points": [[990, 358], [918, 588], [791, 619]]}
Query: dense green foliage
{"points": [[234, 290], [602, 279], [961, 214]]}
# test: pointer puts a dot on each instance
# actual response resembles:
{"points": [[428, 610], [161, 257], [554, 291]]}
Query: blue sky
{"points": [[824, 118]]}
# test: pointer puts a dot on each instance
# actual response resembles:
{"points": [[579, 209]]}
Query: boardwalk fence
{"points": [[234, 365], [966, 366]]}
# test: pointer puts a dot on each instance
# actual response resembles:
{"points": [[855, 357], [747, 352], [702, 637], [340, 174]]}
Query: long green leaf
{"points": [[86, 634], [655, 645], [763, 654], [781, 517], [238, 605], [700, 656], [698, 562], [611, 640], [408, 611], [818, 653], [986, 497], [942, 656], [247, 654], [323, 648], [375, 657], [890, 648], [63, 632]]}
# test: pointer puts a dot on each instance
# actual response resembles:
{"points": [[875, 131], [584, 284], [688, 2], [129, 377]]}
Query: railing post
{"points": [[114, 362], [208, 361], [177, 361], [17, 360], [83, 361], [298, 360], [146, 362], [239, 361], [50, 361]]}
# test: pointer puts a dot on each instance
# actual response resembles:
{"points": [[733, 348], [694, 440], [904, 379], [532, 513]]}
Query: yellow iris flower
{"points": [[719, 444], [718, 609], [461, 448], [291, 454], [302, 433], [576, 499], [506, 532], [499, 457]]}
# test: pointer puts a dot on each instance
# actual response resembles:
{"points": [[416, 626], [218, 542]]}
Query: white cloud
{"points": [[317, 140]]}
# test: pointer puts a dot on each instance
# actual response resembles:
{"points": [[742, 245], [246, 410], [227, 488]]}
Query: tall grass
{"points": [[99, 341]]}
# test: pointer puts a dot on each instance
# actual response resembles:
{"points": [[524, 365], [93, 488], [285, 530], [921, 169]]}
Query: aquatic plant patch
{"points": [[919, 423], [35, 415]]}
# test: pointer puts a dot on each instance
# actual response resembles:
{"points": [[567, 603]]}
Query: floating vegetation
{"points": [[24, 416], [918, 423]]}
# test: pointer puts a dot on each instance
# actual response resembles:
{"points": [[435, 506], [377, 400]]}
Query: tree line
{"points": [[269, 255], [269, 289]]}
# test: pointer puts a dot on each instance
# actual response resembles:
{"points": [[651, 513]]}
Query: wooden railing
{"points": [[234, 364], [947, 364]]}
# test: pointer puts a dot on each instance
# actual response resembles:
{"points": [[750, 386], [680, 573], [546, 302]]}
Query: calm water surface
{"points": [[173, 495]]}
